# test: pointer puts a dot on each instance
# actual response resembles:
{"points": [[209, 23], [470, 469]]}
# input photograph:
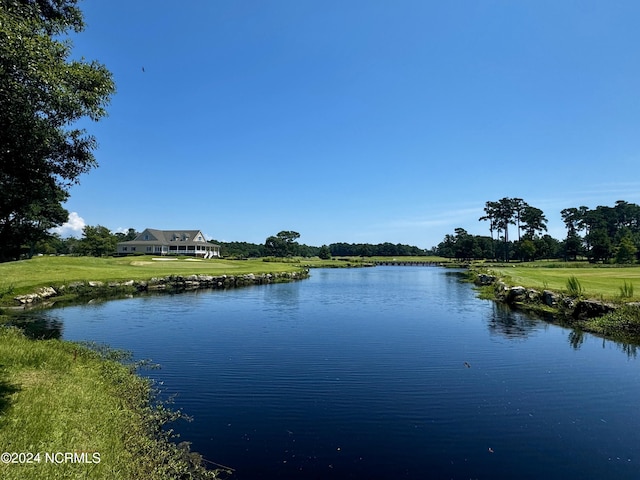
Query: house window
{"points": [[133, 249], [146, 237], [148, 249], [124, 249]]}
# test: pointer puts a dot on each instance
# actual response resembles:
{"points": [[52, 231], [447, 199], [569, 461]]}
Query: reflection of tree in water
{"points": [[631, 349], [283, 295], [510, 323], [576, 339], [38, 326]]}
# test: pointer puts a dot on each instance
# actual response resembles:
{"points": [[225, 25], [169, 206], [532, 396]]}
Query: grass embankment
{"points": [[26, 276], [602, 282], [76, 414], [605, 283]]}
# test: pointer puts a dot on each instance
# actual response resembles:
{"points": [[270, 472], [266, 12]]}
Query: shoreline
{"points": [[78, 291], [89, 410], [26, 391], [615, 320]]}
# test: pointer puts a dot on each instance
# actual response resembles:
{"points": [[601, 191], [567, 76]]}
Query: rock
{"points": [[96, 284], [27, 299], [516, 294], [42, 294], [533, 295], [47, 292], [550, 298], [484, 279], [592, 309]]}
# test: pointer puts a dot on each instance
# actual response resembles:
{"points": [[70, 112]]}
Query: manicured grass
{"points": [[597, 281], [57, 396], [27, 275]]}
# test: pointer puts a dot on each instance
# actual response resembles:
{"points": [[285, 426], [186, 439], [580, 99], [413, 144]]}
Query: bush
{"points": [[574, 287], [626, 290]]}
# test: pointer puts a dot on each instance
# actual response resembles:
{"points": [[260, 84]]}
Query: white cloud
{"points": [[72, 227]]}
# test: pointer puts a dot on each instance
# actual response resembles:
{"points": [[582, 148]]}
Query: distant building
{"points": [[170, 242]]}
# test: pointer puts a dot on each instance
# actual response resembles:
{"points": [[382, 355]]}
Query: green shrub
{"points": [[626, 290], [574, 287]]}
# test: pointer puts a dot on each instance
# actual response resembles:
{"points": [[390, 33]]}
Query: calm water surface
{"points": [[388, 372]]}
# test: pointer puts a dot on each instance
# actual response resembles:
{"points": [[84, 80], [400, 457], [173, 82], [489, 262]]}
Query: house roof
{"points": [[151, 236]]}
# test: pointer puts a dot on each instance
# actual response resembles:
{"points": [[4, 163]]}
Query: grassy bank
{"points": [[574, 284], [78, 415], [26, 276], [597, 281]]}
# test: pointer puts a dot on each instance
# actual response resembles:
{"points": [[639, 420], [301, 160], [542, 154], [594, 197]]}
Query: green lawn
{"points": [[60, 398], [597, 281], [27, 275]]}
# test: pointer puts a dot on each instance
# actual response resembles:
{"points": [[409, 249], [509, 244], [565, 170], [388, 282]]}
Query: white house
{"points": [[170, 242]]}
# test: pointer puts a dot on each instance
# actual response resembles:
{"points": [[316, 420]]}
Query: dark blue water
{"points": [[361, 374]]}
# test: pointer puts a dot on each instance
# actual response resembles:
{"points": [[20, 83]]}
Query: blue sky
{"points": [[360, 120]]}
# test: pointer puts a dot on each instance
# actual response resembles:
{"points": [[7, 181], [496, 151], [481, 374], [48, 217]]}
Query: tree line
{"points": [[604, 234], [100, 241]]}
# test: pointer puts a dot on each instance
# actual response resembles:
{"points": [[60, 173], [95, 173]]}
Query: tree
{"points": [[98, 241], [601, 248], [626, 250], [533, 220], [491, 210], [528, 249], [283, 244], [125, 237], [501, 214], [324, 253], [519, 206], [573, 246], [42, 96]]}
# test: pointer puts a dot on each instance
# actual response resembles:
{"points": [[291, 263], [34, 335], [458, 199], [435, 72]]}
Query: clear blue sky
{"points": [[359, 120]]}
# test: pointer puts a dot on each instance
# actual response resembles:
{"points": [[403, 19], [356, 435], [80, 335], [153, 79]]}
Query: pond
{"points": [[386, 372]]}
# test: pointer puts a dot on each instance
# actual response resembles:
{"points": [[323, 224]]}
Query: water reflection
{"points": [[509, 323], [285, 296], [630, 349], [40, 325], [576, 338]]}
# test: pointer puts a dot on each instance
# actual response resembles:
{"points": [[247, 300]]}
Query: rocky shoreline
{"points": [[46, 296], [547, 300]]}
